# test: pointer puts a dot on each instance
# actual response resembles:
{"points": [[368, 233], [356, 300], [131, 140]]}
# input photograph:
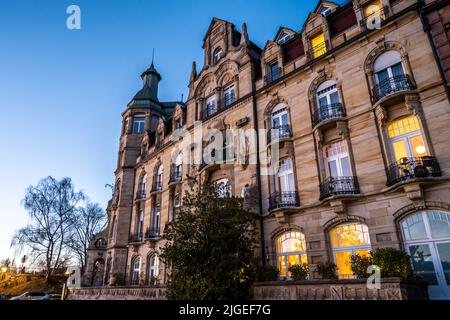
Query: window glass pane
{"points": [[281, 266], [382, 75], [323, 101], [397, 69], [332, 165], [400, 150], [348, 235], [403, 126], [444, 255], [418, 146], [439, 223], [345, 164], [342, 259], [334, 97], [414, 227], [422, 262], [291, 260], [291, 242], [318, 45]]}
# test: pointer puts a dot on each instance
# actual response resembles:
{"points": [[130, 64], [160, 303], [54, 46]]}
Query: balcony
{"points": [[135, 239], [412, 168], [390, 86], [284, 199], [141, 194], [279, 133], [152, 233], [318, 50], [374, 20], [332, 111], [157, 186], [338, 186], [176, 176]]}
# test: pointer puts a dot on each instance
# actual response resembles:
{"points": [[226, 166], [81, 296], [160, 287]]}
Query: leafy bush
{"points": [[359, 265], [392, 263], [327, 270], [299, 272], [267, 273]]}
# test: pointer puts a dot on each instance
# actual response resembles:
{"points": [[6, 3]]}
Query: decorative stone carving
{"points": [[381, 114], [342, 128]]}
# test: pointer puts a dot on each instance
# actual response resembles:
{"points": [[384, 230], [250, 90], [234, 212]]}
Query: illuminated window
{"points": [[406, 138], [135, 271], [347, 240], [318, 45], [291, 249], [374, 8]]}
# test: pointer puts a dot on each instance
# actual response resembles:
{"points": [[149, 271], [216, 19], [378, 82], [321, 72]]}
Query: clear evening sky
{"points": [[62, 91]]}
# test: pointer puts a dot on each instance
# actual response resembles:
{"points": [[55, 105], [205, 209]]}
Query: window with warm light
{"points": [[318, 45], [291, 249], [373, 8], [347, 240], [406, 138]]}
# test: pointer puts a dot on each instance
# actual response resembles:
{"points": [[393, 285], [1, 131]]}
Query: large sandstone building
{"points": [[356, 104]]}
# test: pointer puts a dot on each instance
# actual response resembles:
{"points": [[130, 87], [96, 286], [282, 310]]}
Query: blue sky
{"points": [[62, 91]]}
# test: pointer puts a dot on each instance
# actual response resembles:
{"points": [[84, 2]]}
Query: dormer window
{"points": [[284, 37], [324, 10], [177, 124], [217, 55], [138, 124], [273, 72]]}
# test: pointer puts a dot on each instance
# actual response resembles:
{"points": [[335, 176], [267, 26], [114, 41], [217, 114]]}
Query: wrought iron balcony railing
{"points": [[373, 21], [412, 168], [176, 176], [135, 238], [335, 186], [283, 199], [157, 186], [141, 194], [391, 85], [331, 111], [152, 233], [279, 132], [318, 50]]}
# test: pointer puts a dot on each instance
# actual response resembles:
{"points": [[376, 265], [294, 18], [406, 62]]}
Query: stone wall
{"points": [[354, 289], [118, 293]]}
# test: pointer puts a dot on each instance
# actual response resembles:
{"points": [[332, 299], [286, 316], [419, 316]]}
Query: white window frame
{"points": [[285, 176], [406, 137], [338, 157], [153, 266], [217, 55], [138, 124], [156, 217], [229, 94], [324, 10], [325, 90], [284, 255], [136, 271], [210, 105], [284, 37]]}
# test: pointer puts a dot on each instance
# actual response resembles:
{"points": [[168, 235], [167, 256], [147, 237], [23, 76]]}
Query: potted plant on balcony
{"points": [[299, 272]]}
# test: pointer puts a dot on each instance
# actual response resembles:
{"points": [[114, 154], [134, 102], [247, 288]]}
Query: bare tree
{"points": [[51, 205], [86, 222]]}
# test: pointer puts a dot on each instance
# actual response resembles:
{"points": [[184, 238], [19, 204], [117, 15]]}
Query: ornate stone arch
{"points": [[342, 219], [208, 80], [284, 228], [273, 103], [321, 78], [156, 167], [381, 48], [427, 205], [228, 68]]}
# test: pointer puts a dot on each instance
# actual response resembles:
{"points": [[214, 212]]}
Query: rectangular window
{"points": [[273, 72], [318, 45], [138, 124], [210, 106], [228, 96], [338, 160]]}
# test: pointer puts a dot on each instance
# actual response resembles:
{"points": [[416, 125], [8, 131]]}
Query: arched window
{"points": [[338, 163], [156, 221], [291, 249], [426, 237], [153, 269], [139, 224], [223, 187], [406, 138], [178, 169], [217, 55], [158, 181], [280, 122], [143, 187], [389, 74], [347, 240], [135, 270], [328, 102]]}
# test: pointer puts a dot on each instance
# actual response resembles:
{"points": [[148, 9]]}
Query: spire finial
{"points": [[153, 55], [244, 39]]}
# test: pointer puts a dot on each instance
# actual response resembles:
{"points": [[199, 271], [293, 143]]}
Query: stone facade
{"points": [[286, 75]]}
